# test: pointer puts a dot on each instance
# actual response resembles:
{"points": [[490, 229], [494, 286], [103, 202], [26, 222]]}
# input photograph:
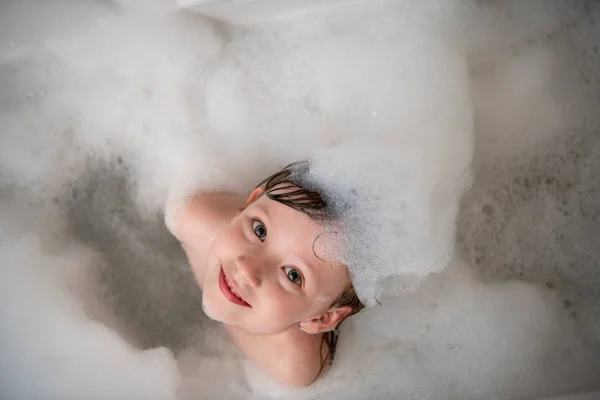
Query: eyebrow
{"points": [[313, 269], [263, 210]]}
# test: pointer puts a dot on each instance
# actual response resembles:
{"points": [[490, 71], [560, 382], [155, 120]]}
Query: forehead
{"points": [[299, 237]]}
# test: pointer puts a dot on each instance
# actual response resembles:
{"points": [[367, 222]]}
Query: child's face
{"points": [[265, 254]]}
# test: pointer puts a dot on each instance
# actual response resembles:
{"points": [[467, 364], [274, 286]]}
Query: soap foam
{"points": [[378, 96]]}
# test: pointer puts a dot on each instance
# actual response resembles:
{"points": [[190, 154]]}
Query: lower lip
{"points": [[228, 293]]}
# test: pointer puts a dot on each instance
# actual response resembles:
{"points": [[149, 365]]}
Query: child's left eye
{"points": [[259, 229], [293, 275]]}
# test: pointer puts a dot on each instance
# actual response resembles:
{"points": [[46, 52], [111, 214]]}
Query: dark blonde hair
{"points": [[292, 187]]}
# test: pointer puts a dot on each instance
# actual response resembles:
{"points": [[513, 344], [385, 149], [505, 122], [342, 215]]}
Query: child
{"points": [[256, 263]]}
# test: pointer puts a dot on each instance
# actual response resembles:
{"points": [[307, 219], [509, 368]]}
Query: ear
{"points": [[326, 321], [256, 193]]}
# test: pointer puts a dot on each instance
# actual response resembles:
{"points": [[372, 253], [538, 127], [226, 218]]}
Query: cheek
{"points": [[229, 240], [283, 306], [220, 249]]}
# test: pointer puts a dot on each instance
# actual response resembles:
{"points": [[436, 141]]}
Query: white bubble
{"points": [[323, 299]]}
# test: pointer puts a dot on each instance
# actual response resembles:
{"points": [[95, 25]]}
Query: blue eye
{"points": [[259, 230], [293, 275]]}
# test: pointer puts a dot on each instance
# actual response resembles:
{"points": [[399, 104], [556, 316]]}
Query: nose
{"points": [[250, 270]]}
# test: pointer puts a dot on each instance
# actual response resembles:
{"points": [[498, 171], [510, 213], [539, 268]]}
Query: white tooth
{"points": [[233, 290]]}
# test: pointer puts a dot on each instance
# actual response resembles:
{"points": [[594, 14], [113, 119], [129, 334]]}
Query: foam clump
{"points": [[51, 349], [399, 203], [457, 338]]}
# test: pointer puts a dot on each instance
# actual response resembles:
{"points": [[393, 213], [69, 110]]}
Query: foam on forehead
{"points": [[389, 236], [331, 245]]}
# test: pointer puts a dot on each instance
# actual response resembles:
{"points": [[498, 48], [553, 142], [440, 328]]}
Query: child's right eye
{"points": [[293, 275], [259, 229]]}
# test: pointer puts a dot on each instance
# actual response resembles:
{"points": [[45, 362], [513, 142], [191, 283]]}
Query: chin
{"points": [[209, 314], [212, 308]]}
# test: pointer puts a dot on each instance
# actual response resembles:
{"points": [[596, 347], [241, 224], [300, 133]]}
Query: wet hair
{"points": [[292, 187]]}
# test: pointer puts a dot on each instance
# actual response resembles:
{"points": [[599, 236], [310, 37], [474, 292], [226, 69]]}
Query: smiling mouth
{"points": [[229, 290]]}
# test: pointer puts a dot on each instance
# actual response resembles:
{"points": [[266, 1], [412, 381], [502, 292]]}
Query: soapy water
{"points": [[111, 109]]}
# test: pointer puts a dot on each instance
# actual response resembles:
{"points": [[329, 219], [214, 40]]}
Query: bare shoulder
{"points": [[308, 358], [293, 357], [206, 213], [197, 223]]}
